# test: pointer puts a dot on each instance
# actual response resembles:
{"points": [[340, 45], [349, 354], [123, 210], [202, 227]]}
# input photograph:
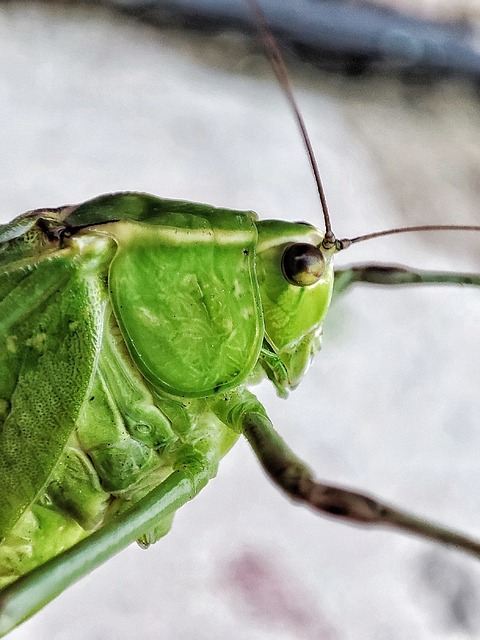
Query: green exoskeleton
{"points": [[127, 379], [147, 321]]}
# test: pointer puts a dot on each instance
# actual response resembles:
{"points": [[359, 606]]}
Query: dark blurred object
{"points": [[348, 37]]}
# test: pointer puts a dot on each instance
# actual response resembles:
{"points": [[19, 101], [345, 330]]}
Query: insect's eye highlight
{"points": [[303, 264]]}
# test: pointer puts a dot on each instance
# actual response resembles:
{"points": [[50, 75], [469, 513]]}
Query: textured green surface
{"points": [[179, 294], [53, 351], [127, 326]]}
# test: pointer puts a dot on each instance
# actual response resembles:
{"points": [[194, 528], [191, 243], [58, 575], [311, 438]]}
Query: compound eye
{"points": [[303, 264]]}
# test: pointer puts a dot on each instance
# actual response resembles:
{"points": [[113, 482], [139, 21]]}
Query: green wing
{"points": [[49, 336]]}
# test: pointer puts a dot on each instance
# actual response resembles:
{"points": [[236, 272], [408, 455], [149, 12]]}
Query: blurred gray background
{"points": [[91, 102]]}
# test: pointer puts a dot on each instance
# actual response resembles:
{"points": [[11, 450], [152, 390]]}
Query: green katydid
{"points": [[167, 414]]}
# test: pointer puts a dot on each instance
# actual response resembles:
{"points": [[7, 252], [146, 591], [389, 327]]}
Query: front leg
{"points": [[245, 413], [393, 274]]}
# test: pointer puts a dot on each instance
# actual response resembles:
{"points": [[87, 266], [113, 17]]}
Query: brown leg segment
{"points": [[385, 274], [293, 477]]}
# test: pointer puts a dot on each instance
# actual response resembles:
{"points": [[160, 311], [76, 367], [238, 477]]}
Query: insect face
{"points": [[296, 279]]}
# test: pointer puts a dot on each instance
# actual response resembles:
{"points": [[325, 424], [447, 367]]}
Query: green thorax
{"points": [[184, 290], [200, 294]]}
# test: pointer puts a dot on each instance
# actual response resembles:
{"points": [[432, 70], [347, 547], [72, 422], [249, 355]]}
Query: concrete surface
{"points": [[90, 103]]}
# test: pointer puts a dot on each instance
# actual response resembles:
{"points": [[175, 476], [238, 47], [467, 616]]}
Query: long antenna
{"points": [[275, 58], [278, 65], [344, 243]]}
